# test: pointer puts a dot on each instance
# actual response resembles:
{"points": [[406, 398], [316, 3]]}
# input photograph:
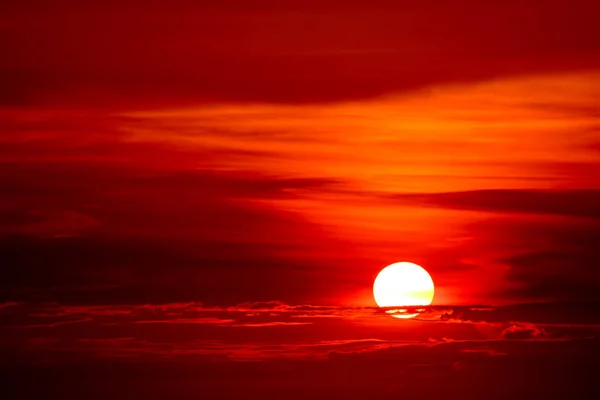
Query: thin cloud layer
{"points": [[199, 348]]}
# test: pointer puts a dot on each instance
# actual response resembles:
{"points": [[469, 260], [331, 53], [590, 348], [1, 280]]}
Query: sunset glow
{"points": [[199, 199]]}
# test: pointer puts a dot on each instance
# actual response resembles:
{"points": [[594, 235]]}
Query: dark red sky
{"points": [[197, 158]]}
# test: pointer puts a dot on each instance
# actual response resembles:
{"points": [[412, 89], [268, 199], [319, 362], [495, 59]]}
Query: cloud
{"points": [[522, 331], [220, 224], [107, 366], [262, 305], [498, 319], [560, 266], [561, 313], [8, 304], [180, 345], [201, 320], [273, 323], [54, 324], [487, 352], [576, 203], [59, 224]]}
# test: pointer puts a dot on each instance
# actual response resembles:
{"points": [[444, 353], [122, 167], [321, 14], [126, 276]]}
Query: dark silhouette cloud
{"points": [[194, 348], [574, 203], [522, 331]]}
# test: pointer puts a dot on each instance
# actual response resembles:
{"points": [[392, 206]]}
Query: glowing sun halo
{"points": [[403, 284]]}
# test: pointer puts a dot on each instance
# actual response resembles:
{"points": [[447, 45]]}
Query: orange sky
{"points": [[309, 142], [372, 169]]}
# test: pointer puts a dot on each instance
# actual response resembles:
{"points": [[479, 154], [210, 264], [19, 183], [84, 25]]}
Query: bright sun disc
{"points": [[403, 284]]}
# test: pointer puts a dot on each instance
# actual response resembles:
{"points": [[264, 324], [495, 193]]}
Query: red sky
{"points": [[220, 153]]}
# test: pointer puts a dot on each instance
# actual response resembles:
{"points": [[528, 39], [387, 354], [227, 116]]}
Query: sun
{"points": [[403, 284]]}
